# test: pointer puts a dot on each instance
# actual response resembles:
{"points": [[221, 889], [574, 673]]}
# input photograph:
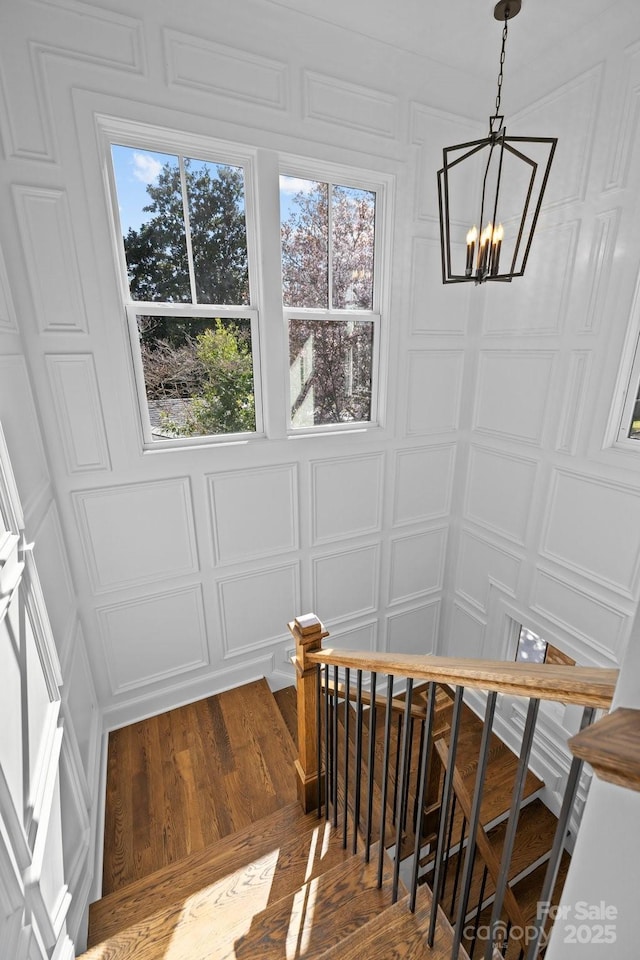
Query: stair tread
{"points": [[304, 837], [397, 934], [242, 917], [287, 700]]}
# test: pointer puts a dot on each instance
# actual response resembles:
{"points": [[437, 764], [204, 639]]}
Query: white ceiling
{"points": [[463, 33]]}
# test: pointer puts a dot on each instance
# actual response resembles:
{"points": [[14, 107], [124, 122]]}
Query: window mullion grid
{"points": [[330, 246], [187, 228]]}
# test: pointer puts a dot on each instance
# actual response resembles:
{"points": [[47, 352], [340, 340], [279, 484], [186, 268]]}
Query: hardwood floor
{"points": [[181, 780]]}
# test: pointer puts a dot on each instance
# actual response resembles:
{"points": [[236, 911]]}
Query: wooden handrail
{"points": [[587, 686], [611, 746]]}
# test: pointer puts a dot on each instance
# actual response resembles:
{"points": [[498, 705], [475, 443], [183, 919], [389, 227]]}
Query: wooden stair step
{"points": [[239, 916], [295, 837], [398, 934], [287, 700]]}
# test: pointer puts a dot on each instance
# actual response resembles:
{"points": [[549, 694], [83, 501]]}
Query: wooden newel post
{"points": [[308, 633]]}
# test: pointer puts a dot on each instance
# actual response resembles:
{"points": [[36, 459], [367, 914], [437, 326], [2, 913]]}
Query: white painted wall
{"points": [[490, 494]]}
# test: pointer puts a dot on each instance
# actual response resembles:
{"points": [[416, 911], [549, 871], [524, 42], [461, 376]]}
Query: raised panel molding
{"points": [[137, 533], [599, 269], [539, 308], [422, 484], [499, 492], [522, 376], [571, 111], [436, 309], [48, 240], [75, 818], [346, 497], [53, 618], [596, 623], [348, 105], [8, 320], [434, 383], [627, 128], [574, 401], [345, 584], [592, 527], [417, 565], [482, 564], [468, 632], [254, 512], [256, 607], [414, 630], [195, 63], [76, 400], [362, 636], [153, 638], [23, 438]]}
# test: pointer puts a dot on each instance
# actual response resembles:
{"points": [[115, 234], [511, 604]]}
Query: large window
{"points": [[189, 238], [330, 291]]}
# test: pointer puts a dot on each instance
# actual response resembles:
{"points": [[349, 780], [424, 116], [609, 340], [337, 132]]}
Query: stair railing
{"points": [[334, 771]]}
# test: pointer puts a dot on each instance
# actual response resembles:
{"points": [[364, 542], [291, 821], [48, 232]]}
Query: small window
{"points": [[531, 648], [185, 250], [330, 297]]}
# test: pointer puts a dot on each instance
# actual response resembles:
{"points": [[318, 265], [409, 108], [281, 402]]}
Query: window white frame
{"points": [[381, 185], [162, 140], [627, 385]]}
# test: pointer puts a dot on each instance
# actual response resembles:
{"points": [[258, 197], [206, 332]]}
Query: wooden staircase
{"points": [[281, 886]]}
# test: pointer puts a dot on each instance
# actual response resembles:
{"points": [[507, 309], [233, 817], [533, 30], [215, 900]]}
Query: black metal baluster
{"points": [[319, 732], [407, 777], [385, 776], [425, 761], [446, 797], [506, 939], [327, 763], [445, 870], [558, 841], [371, 765], [512, 823], [358, 764], [485, 874], [347, 711], [456, 878], [335, 746], [394, 805], [474, 820], [416, 805], [404, 785]]}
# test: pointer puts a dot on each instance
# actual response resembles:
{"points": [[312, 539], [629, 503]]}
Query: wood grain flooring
{"points": [[184, 779]]}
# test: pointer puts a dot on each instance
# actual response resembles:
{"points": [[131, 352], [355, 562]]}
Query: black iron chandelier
{"points": [[490, 193]]}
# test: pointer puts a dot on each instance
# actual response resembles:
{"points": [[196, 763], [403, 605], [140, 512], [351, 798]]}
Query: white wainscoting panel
{"points": [[345, 584], [48, 240], [137, 533], [574, 401], [363, 636], [57, 586], [349, 105], [499, 492], [256, 607], [80, 697], [417, 565], [595, 622], [422, 483], [414, 630], [522, 376], [602, 249], [196, 63], [22, 433], [467, 633], [346, 497], [79, 411], [593, 527], [479, 565], [8, 322], [254, 512], [434, 380], [436, 309], [153, 637]]}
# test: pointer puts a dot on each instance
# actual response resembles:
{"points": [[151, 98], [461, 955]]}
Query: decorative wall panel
{"points": [[7, 310], [593, 527], [599, 269], [435, 308], [626, 130], [524, 377], [360, 637], [80, 698], [434, 379], [417, 565], [574, 400], [593, 621], [242, 528], [499, 492], [48, 240], [346, 497], [77, 404], [137, 533], [348, 105], [195, 63], [346, 584], [422, 487], [154, 637], [414, 630], [479, 565], [256, 607], [540, 307], [467, 634], [22, 434]]}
